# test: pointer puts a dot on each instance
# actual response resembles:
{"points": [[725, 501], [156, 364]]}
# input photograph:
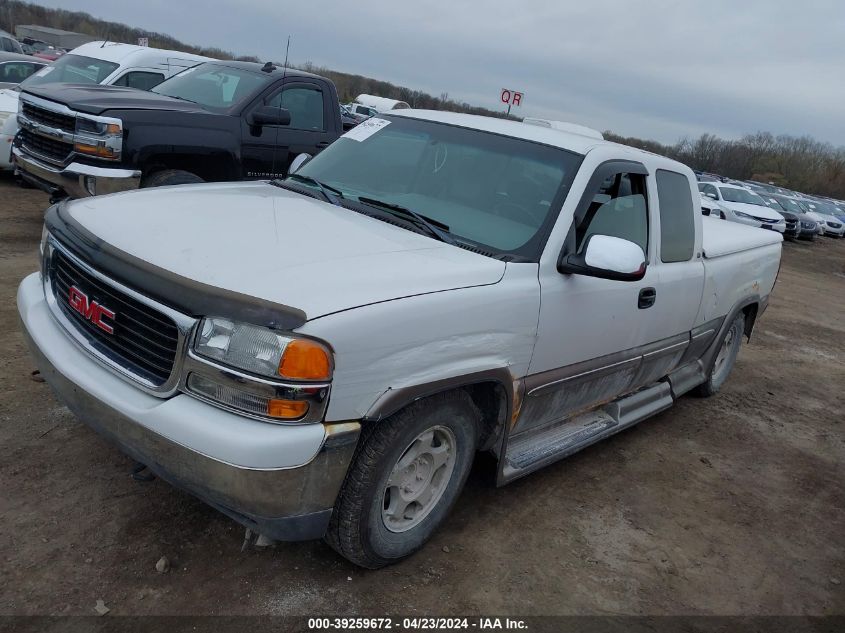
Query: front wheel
{"points": [[405, 477], [725, 358]]}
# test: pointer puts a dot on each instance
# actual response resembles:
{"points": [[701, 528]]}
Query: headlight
{"points": [[100, 128], [258, 352], [262, 351], [740, 214], [101, 137]]}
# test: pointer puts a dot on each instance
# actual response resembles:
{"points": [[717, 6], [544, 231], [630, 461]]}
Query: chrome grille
{"points": [[51, 149], [144, 341], [52, 119]]}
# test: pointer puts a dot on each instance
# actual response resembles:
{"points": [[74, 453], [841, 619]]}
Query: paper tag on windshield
{"points": [[365, 129], [44, 71]]}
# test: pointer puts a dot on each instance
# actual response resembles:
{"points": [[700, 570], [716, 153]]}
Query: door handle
{"points": [[647, 298], [323, 144]]}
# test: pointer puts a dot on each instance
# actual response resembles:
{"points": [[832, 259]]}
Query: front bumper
{"points": [[279, 480], [77, 180]]}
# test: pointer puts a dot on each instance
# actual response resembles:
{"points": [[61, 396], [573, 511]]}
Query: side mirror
{"points": [[270, 115], [712, 196], [298, 162], [606, 257]]}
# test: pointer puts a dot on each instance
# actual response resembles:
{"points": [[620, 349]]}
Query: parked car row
{"points": [[29, 46], [110, 117], [106, 63], [767, 206]]}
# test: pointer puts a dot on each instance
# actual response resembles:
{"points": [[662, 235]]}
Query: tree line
{"points": [[800, 163], [794, 162], [15, 12]]}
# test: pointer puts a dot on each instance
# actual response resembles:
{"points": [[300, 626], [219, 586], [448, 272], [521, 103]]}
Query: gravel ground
{"points": [[730, 505]]}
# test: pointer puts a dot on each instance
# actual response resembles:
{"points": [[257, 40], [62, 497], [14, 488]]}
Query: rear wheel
{"points": [[725, 358], [170, 177], [405, 477]]}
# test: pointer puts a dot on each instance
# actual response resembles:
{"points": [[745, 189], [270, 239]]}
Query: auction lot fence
{"points": [[403, 624]]}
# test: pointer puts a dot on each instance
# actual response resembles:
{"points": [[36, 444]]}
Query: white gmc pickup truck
{"points": [[323, 356]]}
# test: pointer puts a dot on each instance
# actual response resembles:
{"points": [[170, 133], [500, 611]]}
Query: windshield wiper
{"points": [[333, 197], [413, 216], [176, 97]]}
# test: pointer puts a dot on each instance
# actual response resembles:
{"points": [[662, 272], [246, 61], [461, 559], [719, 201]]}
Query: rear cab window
{"points": [[677, 219]]}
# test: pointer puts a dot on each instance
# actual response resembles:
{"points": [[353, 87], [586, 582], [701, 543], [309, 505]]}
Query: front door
{"points": [[269, 150], [599, 338]]}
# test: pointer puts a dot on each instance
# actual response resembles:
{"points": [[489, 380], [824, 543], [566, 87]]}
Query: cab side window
{"points": [[140, 79], [619, 209], [677, 228], [305, 104]]}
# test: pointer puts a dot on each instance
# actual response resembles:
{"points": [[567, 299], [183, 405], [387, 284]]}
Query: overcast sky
{"points": [[657, 69]]}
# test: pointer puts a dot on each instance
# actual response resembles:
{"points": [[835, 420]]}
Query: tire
{"points": [[170, 177], [367, 503], [725, 358]]}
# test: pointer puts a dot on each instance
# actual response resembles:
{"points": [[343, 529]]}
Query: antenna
{"points": [[284, 74]]}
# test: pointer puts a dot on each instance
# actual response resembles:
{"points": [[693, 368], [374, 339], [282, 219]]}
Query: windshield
{"points": [[491, 191], [824, 207], [216, 87], [72, 69], [741, 195], [790, 205]]}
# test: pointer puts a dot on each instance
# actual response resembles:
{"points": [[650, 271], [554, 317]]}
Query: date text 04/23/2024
{"points": [[417, 624]]}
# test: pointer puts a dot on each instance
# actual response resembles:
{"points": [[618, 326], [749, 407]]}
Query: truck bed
{"points": [[723, 238], [739, 262]]}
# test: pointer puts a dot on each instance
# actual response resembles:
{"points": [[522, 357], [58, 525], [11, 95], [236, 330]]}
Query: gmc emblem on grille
{"points": [[91, 310]]}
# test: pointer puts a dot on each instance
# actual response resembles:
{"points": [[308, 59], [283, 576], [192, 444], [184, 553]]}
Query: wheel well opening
{"points": [[491, 399], [209, 168], [750, 312]]}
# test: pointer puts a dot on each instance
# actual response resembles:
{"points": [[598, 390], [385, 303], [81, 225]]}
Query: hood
{"points": [[96, 99], [753, 209], [279, 246]]}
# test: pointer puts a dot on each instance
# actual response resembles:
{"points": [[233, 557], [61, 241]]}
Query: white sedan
{"points": [[825, 213], [739, 204]]}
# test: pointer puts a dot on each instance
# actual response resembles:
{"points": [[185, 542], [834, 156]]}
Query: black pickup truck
{"points": [[217, 121]]}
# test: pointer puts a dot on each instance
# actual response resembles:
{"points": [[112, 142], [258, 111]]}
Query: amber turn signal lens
{"points": [[286, 409], [95, 150], [305, 360]]}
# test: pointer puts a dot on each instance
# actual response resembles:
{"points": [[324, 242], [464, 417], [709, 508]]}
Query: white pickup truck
{"points": [[323, 356]]}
